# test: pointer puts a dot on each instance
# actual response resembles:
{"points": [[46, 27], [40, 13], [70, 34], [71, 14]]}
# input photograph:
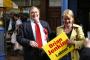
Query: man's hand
{"points": [[33, 44], [87, 43]]}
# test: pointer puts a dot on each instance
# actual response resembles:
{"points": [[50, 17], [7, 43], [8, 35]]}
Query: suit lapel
{"points": [[42, 24], [29, 30]]}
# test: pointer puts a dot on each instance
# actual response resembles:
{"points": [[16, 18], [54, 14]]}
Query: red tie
{"points": [[38, 35]]}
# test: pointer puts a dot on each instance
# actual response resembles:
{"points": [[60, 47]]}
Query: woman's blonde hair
{"points": [[68, 12]]}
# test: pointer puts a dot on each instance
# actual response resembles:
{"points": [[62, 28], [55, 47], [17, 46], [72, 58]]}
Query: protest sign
{"points": [[57, 47]]}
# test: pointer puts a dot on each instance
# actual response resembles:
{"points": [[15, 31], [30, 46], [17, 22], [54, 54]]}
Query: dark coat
{"points": [[25, 34]]}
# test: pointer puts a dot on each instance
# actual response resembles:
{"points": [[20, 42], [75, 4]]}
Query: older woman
{"points": [[74, 33]]}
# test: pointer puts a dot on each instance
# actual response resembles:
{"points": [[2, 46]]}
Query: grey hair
{"points": [[33, 8]]}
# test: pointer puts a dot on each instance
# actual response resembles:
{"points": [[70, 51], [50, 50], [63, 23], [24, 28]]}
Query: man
{"points": [[27, 36], [9, 25], [85, 53], [13, 37], [10, 22]]}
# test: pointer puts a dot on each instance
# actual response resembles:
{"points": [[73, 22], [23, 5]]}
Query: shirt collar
{"points": [[33, 21]]}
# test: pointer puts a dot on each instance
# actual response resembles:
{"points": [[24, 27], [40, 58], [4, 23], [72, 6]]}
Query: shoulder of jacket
{"points": [[75, 25], [60, 27], [43, 21]]}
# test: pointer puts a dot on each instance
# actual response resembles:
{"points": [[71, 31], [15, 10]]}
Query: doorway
{"points": [[83, 13]]}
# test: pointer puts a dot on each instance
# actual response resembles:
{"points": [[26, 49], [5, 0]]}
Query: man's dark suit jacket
{"points": [[25, 34]]}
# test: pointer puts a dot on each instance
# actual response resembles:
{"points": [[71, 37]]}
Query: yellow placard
{"points": [[57, 47]]}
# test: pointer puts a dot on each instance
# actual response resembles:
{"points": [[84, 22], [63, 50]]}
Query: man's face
{"points": [[34, 14]]}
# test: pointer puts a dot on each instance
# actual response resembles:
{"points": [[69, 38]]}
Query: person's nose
{"points": [[68, 21]]}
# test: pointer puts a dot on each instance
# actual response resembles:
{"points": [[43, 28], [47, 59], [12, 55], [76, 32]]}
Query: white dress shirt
{"points": [[44, 41], [10, 25]]}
